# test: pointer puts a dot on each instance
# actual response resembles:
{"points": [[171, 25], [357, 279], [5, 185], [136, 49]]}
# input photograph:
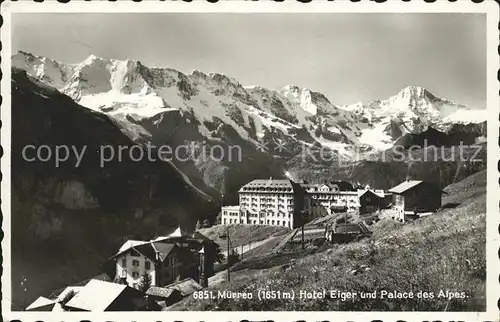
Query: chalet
{"points": [[56, 300], [166, 259], [372, 200], [164, 296], [345, 232], [415, 198], [100, 296]]}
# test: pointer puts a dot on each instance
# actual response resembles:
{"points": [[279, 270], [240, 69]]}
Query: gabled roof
{"points": [[96, 296], [178, 233], [199, 236], [163, 249], [186, 286], [405, 186], [410, 184], [131, 243], [41, 304], [60, 292], [379, 194], [164, 292]]}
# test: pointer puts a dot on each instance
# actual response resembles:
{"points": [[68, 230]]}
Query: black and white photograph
{"points": [[250, 161]]}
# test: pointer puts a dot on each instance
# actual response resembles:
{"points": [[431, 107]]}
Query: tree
{"points": [[219, 257], [67, 297], [145, 282], [232, 258], [198, 225], [206, 223]]}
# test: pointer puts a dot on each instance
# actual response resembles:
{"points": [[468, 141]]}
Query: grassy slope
{"points": [[242, 234], [445, 251]]}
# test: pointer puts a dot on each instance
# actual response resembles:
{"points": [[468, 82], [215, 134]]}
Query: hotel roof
{"points": [[283, 185]]}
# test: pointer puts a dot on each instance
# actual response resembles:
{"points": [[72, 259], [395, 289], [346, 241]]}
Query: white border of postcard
{"points": [[488, 7]]}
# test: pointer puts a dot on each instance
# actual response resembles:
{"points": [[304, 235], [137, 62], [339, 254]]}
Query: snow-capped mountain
{"points": [[163, 104]]}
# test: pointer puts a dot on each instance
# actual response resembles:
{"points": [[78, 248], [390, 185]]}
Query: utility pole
{"points": [[303, 223], [228, 264], [226, 236]]}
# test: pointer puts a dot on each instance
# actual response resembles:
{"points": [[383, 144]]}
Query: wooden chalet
{"points": [[415, 198]]}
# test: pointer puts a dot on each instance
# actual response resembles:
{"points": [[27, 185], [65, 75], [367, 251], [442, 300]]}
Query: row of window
{"points": [[136, 263], [135, 274], [231, 213], [265, 195], [261, 222]]}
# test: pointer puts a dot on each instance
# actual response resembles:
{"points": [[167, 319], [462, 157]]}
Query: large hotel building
{"points": [[266, 202], [281, 202]]}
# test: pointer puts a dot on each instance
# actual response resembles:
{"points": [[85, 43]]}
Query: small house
{"points": [[345, 232], [415, 198], [165, 259], [100, 296], [164, 296], [370, 201]]}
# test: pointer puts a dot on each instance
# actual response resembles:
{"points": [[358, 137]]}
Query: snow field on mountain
{"points": [[121, 88]]}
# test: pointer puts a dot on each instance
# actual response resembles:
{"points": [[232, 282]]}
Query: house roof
{"points": [[405, 186], [410, 184], [160, 247], [96, 295], [164, 292], [199, 236], [41, 304], [378, 193], [178, 233], [131, 243], [186, 286], [58, 293], [145, 248], [163, 249]]}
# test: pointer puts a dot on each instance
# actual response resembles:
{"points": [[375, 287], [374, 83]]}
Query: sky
{"points": [[347, 57]]}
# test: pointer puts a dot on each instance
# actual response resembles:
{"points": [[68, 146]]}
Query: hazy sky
{"points": [[348, 57]]}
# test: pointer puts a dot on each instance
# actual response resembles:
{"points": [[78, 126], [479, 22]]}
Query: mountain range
{"points": [[272, 126]]}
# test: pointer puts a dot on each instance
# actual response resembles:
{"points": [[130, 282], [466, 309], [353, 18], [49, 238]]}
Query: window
{"points": [[135, 263], [134, 253], [135, 275], [124, 262], [147, 265], [123, 274]]}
